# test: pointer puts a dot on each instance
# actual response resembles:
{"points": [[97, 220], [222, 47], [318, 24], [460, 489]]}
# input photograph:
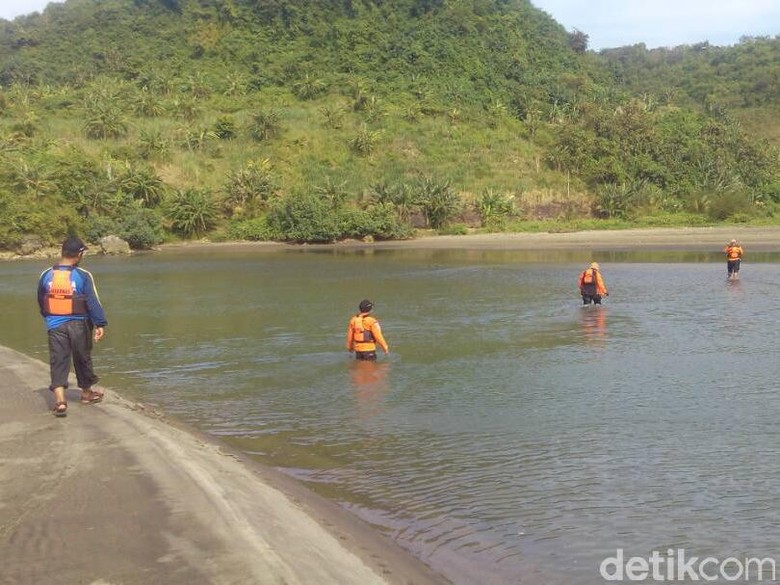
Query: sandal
{"points": [[61, 409], [91, 397]]}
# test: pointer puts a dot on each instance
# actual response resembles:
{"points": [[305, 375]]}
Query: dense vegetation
{"points": [[315, 120]]}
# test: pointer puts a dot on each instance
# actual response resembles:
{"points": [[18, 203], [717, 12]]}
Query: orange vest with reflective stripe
{"points": [[61, 298]]}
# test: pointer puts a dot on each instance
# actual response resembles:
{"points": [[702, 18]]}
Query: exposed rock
{"points": [[30, 244], [114, 246]]}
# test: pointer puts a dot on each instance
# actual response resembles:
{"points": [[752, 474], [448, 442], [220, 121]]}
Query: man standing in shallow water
{"points": [[733, 259], [364, 333], [74, 317], [591, 285]]}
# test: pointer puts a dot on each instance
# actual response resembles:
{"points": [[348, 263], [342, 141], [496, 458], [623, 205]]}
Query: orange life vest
{"points": [[734, 252], [61, 298], [589, 276], [361, 334]]}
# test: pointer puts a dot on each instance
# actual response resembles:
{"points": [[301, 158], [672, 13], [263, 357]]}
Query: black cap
{"points": [[366, 306], [72, 247]]}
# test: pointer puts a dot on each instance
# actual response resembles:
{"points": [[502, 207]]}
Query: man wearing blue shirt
{"points": [[74, 317]]}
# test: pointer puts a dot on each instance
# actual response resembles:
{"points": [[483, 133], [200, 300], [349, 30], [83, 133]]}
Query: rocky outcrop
{"points": [[114, 246], [29, 245]]}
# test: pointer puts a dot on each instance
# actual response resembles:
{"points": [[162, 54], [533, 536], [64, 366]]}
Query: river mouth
{"points": [[511, 431]]}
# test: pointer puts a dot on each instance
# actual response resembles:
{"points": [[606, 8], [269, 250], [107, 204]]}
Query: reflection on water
{"points": [[594, 324], [369, 385], [512, 433]]}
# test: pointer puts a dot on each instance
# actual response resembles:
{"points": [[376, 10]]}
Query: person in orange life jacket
{"points": [[733, 259], [74, 317], [364, 333], [591, 285]]}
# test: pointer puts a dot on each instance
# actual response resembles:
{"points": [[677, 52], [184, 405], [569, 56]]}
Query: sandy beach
{"points": [[686, 239], [116, 493], [705, 239]]}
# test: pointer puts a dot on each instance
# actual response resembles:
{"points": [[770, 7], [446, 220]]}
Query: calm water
{"points": [[511, 433]]}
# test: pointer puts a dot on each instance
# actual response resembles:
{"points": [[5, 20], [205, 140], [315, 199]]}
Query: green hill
{"points": [[312, 120], [742, 81]]}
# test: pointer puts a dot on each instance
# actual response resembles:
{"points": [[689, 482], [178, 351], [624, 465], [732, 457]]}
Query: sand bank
{"points": [[115, 493], [688, 239]]}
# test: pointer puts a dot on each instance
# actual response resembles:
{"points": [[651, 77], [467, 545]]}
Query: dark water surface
{"points": [[511, 432]]}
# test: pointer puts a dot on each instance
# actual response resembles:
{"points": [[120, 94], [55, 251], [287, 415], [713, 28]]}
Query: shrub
{"points": [[729, 203], [191, 212], [98, 226], [379, 221], [387, 224], [250, 187], [265, 125], [365, 141], [105, 122], [303, 218], [438, 202], [309, 87], [141, 228], [256, 229], [456, 229], [143, 185], [494, 208], [225, 128], [153, 144], [333, 117], [614, 200]]}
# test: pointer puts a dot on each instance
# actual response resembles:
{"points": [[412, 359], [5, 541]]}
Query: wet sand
{"points": [[705, 239], [116, 493], [686, 239]]}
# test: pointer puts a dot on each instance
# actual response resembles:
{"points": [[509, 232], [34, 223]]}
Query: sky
{"points": [[665, 23], [617, 23]]}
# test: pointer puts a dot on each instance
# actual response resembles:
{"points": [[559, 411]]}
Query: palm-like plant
{"points": [[494, 207], [265, 125], [192, 212], [254, 183], [332, 192], [31, 180], [333, 117], [365, 141], [143, 185], [309, 87], [199, 138], [153, 143], [438, 202], [105, 121], [148, 105]]}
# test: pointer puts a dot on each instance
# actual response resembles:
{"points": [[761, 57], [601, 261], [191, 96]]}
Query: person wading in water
{"points": [[734, 254], [591, 285], [364, 333]]}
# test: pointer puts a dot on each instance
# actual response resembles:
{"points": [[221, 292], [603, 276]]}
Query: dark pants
{"points": [[71, 340], [588, 299], [732, 266], [365, 355]]}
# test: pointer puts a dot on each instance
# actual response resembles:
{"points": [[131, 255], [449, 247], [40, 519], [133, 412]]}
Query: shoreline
{"points": [[120, 493], [712, 239], [708, 239]]}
